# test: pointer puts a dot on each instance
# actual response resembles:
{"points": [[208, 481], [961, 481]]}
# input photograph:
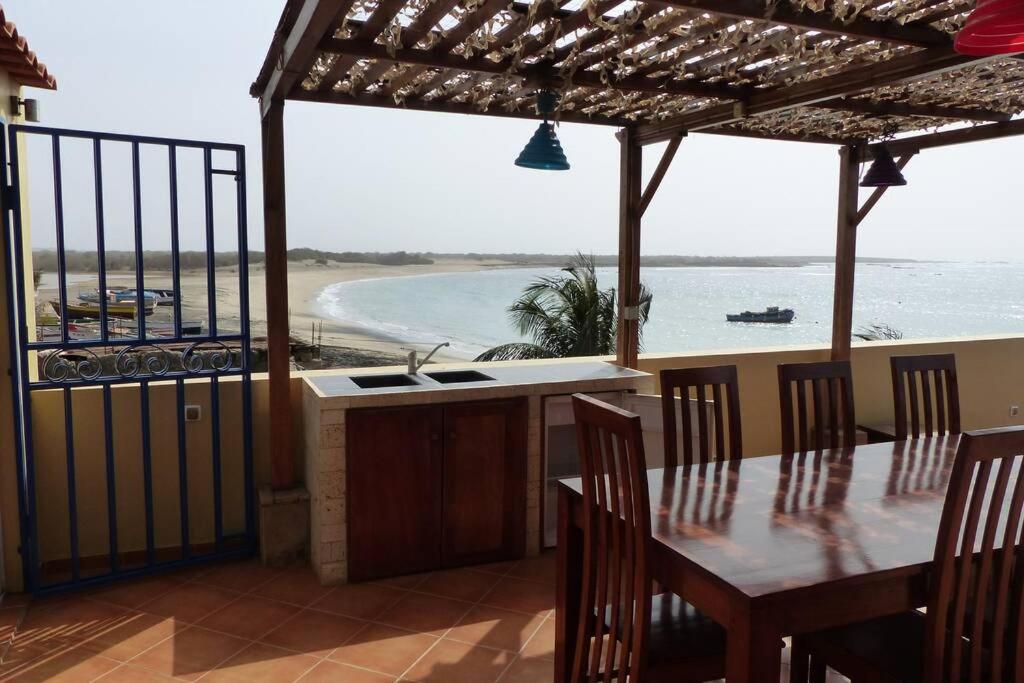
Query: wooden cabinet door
{"points": [[394, 464], [484, 482]]}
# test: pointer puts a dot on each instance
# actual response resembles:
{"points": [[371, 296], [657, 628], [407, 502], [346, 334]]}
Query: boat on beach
{"points": [[772, 315], [81, 310], [126, 295]]}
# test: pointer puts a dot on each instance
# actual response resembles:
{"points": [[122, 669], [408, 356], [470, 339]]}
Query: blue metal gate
{"points": [[118, 474]]}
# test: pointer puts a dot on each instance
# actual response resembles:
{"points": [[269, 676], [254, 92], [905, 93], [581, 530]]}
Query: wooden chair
{"points": [[831, 385], [700, 380], [649, 637], [936, 375], [973, 629]]}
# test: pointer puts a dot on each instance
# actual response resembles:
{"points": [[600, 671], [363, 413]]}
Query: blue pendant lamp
{"points": [[543, 151]]}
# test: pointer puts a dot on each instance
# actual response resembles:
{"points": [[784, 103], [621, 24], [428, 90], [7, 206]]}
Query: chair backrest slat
{"points": [[910, 371], [831, 396], [727, 441], [616, 588], [976, 603]]}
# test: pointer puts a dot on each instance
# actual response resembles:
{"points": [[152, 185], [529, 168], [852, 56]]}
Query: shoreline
{"points": [[306, 282]]}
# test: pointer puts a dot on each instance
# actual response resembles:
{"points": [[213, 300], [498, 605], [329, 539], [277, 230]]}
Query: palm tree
{"points": [[566, 315]]}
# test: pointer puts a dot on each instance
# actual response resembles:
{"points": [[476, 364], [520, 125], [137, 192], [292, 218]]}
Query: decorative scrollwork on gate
{"points": [[72, 365], [145, 359], [209, 356]]}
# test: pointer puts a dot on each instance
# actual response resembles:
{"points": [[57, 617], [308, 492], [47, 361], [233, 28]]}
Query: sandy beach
{"points": [[306, 280]]}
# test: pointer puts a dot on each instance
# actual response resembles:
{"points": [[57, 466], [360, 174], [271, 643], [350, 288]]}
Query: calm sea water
{"points": [[688, 312]]}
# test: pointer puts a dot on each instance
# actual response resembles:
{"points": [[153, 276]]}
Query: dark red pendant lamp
{"points": [[995, 27]]}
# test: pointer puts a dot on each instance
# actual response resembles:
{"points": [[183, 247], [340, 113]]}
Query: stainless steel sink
{"points": [[458, 376], [383, 381]]}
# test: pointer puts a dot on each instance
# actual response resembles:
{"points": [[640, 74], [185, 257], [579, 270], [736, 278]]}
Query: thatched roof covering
{"points": [[824, 70]]}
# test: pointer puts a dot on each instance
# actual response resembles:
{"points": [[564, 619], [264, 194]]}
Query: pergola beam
{"points": [[627, 344], [894, 71], [298, 49], [659, 174], [883, 108], [917, 143], [784, 13], [275, 246], [846, 254]]}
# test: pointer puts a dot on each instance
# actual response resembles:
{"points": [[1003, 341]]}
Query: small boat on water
{"points": [[81, 310], [773, 315]]}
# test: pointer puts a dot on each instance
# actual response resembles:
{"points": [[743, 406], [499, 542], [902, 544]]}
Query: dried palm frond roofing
{"points": [[818, 70]]}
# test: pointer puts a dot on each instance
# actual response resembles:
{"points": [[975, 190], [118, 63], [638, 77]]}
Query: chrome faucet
{"points": [[415, 366]]}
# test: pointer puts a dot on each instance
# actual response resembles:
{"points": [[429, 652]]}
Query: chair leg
{"points": [[817, 671], [798, 661]]}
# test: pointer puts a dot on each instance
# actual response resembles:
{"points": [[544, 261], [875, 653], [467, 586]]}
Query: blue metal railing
{"points": [[71, 364]]}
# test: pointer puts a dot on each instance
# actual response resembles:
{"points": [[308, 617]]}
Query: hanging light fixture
{"points": [[883, 171], [543, 151], [995, 27]]}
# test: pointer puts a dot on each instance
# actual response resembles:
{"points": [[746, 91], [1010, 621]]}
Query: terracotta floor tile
{"points": [[450, 662], [239, 576], [424, 613], [298, 586], [135, 633], [189, 653], [131, 594], [406, 582], [333, 672], [313, 632], [189, 602], [521, 596], [382, 648], [15, 600], [542, 644], [72, 665], [525, 670], [460, 584], [500, 568], [9, 619], [69, 622], [262, 663], [540, 568], [126, 673], [497, 628], [360, 600], [249, 617]]}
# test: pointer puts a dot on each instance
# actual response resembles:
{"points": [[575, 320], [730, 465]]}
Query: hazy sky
{"points": [[377, 179]]}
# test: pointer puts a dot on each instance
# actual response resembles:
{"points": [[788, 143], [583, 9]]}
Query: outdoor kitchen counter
{"points": [[510, 379], [368, 447]]}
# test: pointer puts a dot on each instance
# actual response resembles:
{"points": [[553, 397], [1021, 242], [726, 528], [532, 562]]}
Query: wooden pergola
{"points": [[850, 73]]}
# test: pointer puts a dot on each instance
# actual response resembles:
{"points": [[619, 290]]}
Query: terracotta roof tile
{"points": [[19, 61]]}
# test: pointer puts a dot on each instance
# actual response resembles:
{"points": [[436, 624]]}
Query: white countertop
{"points": [[509, 379]]}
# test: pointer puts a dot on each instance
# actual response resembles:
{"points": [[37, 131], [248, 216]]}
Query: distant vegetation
{"points": [[86, 261], [664, 261]]}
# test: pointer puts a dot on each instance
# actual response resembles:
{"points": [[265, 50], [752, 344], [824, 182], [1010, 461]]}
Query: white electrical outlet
{"points": [[193, 413], [1014, 411]]}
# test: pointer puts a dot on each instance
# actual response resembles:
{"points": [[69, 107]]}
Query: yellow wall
{"points": [[990, 372], [10, 564]]}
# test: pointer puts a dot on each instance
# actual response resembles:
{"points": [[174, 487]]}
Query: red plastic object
{"points": [[995, 27]]}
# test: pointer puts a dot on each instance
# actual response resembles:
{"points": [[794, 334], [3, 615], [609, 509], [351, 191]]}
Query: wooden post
{"points": [[628, 341], [846, 254], [282, 461]]}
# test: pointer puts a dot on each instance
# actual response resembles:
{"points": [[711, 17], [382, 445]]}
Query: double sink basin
{"points": [[442, 377]]}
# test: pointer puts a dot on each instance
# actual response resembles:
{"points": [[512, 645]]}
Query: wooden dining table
{"points": [[780, 545]]}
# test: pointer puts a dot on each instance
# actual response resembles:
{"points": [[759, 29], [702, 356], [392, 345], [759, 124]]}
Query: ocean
{"points": [[922, 300]]}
